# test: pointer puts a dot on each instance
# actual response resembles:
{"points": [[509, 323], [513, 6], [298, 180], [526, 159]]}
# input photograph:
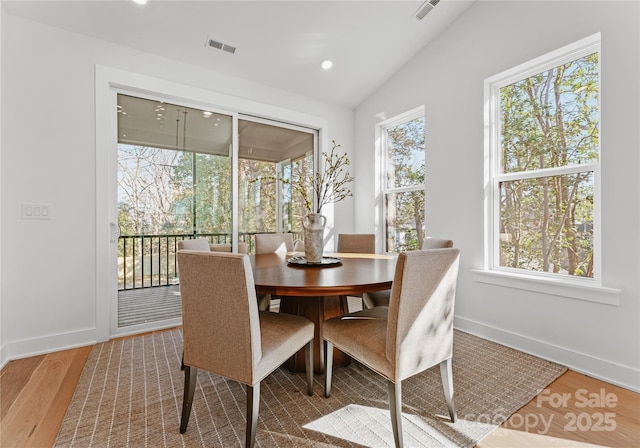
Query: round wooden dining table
{"points": [[320, 292]]}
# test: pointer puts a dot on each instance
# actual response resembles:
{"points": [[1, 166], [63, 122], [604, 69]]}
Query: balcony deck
{"points": [[139, 306]]}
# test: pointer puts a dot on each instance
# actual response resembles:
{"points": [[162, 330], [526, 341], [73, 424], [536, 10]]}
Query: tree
{"points": [[147, 189], [406, 168], [203, 184], [257, 196], [550, 120]]}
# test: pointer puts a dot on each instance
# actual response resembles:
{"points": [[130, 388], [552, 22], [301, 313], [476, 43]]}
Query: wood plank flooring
{"points": [[574, 411], [35, 393]]}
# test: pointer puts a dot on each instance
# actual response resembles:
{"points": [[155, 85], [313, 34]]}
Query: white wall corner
{"points": [[3, 357], [609, 371]]}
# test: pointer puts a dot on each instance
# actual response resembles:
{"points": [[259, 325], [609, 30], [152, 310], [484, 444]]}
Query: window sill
{"points": [[556, 287]]}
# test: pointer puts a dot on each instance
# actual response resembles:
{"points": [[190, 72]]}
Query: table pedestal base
{"points": [[317, 310]]}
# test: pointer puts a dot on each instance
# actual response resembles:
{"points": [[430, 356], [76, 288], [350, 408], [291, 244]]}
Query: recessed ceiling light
{"points": [[326, 64], [140, 2]]}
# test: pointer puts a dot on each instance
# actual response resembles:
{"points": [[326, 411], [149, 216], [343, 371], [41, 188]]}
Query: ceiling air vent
{"points": [[425, 8], [221, 46]]}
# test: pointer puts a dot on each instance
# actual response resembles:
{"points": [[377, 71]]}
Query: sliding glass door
{"points": [[177, 180], [266, 155]]}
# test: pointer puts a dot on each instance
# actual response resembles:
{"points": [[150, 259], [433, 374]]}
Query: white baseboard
{"points": [[620, 375], [47, 344], [65, 341], [146, 327]]}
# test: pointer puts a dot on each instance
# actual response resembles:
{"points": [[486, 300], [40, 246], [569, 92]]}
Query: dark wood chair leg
{"points": [[253, 407], [190, 379], [309, 365], [395, 406]]}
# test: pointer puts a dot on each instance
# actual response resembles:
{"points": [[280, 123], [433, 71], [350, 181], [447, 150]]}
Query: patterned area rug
{"points": [[130, 395]]}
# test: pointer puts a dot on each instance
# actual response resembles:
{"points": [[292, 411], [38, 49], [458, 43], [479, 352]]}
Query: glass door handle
{"points": [[114, 229]]}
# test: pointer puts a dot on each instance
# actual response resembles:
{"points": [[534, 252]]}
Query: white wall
{"points": [[48, 274], [1, 41], [447, 77]]}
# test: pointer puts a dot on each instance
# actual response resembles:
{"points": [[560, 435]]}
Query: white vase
{"points": [[313, 225]]}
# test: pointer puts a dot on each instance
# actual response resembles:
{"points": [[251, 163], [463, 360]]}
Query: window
{"points": [[176, 181], [294, 209], [269, 154], [403, 168], [544, 171], [174, 169]]}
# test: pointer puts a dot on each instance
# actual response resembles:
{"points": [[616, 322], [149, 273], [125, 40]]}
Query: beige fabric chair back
{"points": [[195, 244], [268, 243], [363, 243], [220, 314], [381, 298], [220, 247], [243, 248], [204, 245], [298, 246], [436, 243], [420, 318]]}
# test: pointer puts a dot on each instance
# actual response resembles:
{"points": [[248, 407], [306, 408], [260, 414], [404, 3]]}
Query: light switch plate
{"points": [[36, 211]]}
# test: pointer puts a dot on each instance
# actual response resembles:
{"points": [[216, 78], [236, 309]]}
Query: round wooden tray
{"points": [[326, 261]]}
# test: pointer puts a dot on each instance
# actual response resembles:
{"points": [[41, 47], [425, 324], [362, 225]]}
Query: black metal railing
{"points": [[146, 261]]}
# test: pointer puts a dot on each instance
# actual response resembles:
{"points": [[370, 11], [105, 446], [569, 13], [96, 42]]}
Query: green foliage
{"points": [[550, 120], [176, 192]]}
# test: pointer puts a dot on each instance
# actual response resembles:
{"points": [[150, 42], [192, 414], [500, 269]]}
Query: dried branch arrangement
{"points": [[330, 186]]}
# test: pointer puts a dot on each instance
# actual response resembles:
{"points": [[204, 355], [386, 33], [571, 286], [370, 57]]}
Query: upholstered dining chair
{"points": [[413, 334], [298, 246], [363, 243], [243, 248], [225, 334], [381, 298], [268, 243], [436, 243], [201, 244]]}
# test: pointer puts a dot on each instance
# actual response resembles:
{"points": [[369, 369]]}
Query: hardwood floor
{"points": [[574, 411], [34, 395]]}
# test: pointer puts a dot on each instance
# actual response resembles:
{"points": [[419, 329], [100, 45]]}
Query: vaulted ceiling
{"points": [[278, 43]]}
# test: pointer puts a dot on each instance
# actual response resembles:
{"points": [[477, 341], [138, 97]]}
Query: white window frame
{"points": [[381, 133], [590, 289]]}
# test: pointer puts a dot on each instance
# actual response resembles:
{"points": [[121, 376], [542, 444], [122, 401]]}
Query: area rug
{"points": [[130, 395]]}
